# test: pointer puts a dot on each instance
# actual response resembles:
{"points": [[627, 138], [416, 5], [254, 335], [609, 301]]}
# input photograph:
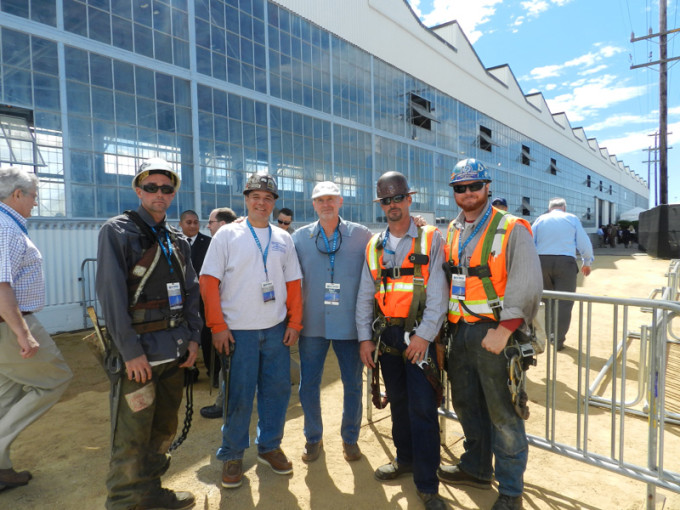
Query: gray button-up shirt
{"points": [[333, 322], [437, 288]]}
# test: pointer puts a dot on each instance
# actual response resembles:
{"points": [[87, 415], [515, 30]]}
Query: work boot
{"points": [[312, 451], [351, 452], [432, 501], [392, 470], [10, 478], [211, 412], [505, 502], [454, 475], [276, 460], [166, 499], [232, 473]]}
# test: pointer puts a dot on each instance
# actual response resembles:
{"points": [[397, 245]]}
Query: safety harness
{"points": [[409, 323], [520, 351]]}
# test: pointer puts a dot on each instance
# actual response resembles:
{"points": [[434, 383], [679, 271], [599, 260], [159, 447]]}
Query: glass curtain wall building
{"points": [[224, 88]]}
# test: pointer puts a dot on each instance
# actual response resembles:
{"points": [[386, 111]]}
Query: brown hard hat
{"points": [[391, 184], [261, 182]]}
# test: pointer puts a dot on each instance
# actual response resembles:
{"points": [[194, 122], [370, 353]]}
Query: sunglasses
{"points": [[397, 200], [462, 188], [281, 222], [166, 189]]}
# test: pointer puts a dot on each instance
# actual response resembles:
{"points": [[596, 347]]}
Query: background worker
{"points": [[285, 219], [559, 236], [33, 373], [190, 226], [150, 304], [250, 284], [218, 217], [500, 203], [481, 320], [403, 287], [331, 253]]}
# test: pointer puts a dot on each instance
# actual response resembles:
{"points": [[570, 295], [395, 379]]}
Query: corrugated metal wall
{"points": [[64, 245]]}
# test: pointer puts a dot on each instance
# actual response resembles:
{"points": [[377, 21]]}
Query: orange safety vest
{"points": [[395, 294], [476, 301]]}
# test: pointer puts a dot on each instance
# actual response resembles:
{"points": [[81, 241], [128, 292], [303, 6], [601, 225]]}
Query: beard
{"points": [[471, 203]]}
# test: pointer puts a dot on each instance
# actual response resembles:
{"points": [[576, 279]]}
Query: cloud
{"points": [[593, 70], [534, 8], [469, 15], [591, 61], [597, 94], [619, 120]]}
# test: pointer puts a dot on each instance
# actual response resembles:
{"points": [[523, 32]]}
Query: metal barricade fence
{"points": [[88, 297], [622, 349]]}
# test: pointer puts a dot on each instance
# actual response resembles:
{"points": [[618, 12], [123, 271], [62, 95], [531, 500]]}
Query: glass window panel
{"points": [[163, 47], [162, 17], [164, 88], [103, 104], [232, 19], [217, 36], [145, 81], [219, 66], [180, 24], [101, 73], [44, 56], [78, 98], [202, 33], [100, 25], [126, 111], [82, 200], [143, 40], [141, 13], [17, 86], [14, 45], [146, 113], [181, 53], [217, 12], [122, 33], [16, 7], [46, 89], [81, 167], [166, 117], [75, 17], [80, 133], [203, 61], [107, 202], [122, 8], [124, 77]]}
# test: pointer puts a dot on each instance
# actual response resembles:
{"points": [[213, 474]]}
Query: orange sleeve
{"points": [[210, 292], [294, 304]]}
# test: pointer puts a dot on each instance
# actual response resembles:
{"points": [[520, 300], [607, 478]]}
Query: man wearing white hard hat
{"points": [[149, 296], [331, 253]]}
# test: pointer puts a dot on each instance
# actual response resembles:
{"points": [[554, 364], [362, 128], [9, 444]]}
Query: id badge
{"points": [[332, 294], [458, 286], [174, 296], [268, 291]]}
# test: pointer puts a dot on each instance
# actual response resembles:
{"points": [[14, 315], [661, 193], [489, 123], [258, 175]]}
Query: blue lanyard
{"points": [[331, 252], [461, 249], [166, 251], [266, 250], [22, 227], [384, 243]]}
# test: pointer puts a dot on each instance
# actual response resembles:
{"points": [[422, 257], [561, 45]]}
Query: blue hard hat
{"points": [[469, 170]]}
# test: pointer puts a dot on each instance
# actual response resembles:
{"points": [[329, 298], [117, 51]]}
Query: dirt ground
{"points": [[67, 449]]}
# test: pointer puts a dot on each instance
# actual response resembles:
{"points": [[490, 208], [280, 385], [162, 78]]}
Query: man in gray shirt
{"points": [[401, 305], [495, 289], [331, 253]]}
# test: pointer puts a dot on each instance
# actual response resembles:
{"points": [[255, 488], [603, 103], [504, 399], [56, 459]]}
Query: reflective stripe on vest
{"points": [[475, 297], [394, 296]]}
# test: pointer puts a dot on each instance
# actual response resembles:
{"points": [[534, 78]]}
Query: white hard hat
{"points": [[156, 166], [325, 188]]}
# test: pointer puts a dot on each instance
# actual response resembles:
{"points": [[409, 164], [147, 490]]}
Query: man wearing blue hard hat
{"points": [[495, 291]]}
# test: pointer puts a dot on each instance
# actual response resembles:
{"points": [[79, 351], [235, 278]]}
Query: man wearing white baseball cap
{"points": [[331, 253]]}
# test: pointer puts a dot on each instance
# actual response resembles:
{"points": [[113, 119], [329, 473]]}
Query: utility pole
{"points": [[663, 97], [649, 162]]}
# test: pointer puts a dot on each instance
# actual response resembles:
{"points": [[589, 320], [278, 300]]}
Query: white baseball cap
{"points": [[324, 189]]}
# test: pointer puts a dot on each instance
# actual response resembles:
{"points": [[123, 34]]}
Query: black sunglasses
{"points": [[462, 188], [166, 189], [281, 222], [397, 200]]}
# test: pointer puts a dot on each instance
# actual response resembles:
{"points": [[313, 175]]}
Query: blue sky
{"points": [[578, 54]]}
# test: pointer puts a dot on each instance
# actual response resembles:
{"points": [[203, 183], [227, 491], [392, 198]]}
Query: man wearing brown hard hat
{"points": [[400, 308], [250, 283]]}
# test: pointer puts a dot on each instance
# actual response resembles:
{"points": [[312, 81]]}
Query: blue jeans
{"points": [[482, 401], [313, 351], [415, 422], [259, 361]]}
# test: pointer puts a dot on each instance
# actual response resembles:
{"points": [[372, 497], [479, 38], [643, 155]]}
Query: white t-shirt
{"points": [[234, 258]]}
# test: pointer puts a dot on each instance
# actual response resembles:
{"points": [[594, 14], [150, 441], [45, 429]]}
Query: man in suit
{"points": [[188, 222]]}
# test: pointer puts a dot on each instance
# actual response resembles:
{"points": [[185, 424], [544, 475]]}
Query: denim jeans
{"points": [[482, 401], [313, 351], [415, 423], [259, 361]]}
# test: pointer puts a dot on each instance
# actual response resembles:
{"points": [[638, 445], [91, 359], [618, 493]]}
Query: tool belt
{"points": [[160, 325], [22, 313]]}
